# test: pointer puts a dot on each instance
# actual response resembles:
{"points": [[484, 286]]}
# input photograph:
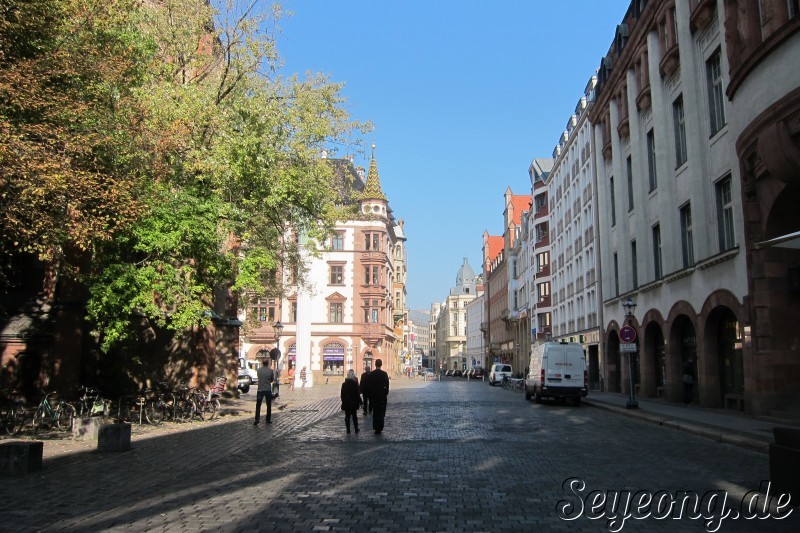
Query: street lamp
{"points": [[628, 334]]}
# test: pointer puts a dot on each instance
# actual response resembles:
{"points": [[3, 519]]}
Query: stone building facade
{"points": [[695, 136]]}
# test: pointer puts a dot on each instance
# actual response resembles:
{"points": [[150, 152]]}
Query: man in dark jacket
{"points": [[265, 378], [378, 393], [351, 400], [363, 386]]}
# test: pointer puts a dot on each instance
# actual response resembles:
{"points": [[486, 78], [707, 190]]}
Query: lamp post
{"points": [[628, 334], [277, 327]]}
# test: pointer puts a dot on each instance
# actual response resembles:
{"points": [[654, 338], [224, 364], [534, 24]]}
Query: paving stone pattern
{"points": [[454, 456]]}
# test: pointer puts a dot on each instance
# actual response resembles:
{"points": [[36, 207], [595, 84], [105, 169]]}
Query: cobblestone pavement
{"points": [[454, 456]]}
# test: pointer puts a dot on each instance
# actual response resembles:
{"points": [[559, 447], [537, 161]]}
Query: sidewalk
{"points": [[720, 425]]}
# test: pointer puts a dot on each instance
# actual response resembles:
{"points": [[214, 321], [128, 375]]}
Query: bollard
{"points": [[114, 437], [20, 457]]}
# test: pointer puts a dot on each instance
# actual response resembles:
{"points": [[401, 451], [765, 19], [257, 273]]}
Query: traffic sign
{"points": [[627, 347], [627, 334]]}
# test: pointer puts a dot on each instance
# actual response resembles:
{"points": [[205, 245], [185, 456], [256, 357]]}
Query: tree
{"points": [[69, 167], [236, 169]]}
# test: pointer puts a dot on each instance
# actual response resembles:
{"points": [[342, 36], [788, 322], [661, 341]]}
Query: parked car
{"points": [[478, 373], [449, 372], [498, 372], [457, 373], [428, 373]]}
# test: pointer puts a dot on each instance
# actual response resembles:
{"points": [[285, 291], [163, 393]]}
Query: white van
{"points": [[558, 371]]}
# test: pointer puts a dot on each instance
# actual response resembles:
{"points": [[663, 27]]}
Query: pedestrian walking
{"points": [[265, 378], [303, 378], [378, 394], [351, 400], [363, 386], [291, 377], [688, 381]]}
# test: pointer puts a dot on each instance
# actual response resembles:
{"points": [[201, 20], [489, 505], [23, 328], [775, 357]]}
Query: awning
{"points": [[790, 240]]}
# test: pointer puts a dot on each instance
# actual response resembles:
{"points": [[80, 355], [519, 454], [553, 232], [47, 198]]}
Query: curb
{"points": [[714, 434]]}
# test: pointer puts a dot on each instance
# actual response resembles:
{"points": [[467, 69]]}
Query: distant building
{"points": [[451, 320], [419, 336], [574, 247], [344, 317]]}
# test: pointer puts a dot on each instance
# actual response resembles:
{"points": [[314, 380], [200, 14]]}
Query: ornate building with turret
{"points": [[345, 316]]}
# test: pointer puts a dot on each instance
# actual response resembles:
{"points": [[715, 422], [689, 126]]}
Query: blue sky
{"points": [[462, 96]]}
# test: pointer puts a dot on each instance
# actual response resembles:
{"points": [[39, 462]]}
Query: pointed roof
{"points": [[372, 189], [496, 245], [520, 203]]}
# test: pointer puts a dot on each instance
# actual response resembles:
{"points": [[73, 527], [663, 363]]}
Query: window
{"points": [[725, 215], [372, 275], [542, 260], [265, 310], [680, 131], [371, 311], [294, 311], [540, 202], [629, 170], [613, 202], [687, 243], [716, 107], [337, 241], [616, 275], [657, 251], [634, 269], [651, 160], [542, 290], [336, 313], [373, 241], [336, 275], [794, 8], [333, 359], [541, 232]]}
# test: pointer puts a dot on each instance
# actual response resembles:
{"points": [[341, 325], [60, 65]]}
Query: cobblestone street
{"points": [[455, 456]]}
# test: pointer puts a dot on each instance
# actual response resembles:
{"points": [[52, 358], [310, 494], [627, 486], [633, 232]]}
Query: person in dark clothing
{"points": [[364, 388], [378, 393], [265, 378], [351, 400]]}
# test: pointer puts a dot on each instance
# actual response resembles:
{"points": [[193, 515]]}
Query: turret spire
{"points": [[372, 189]]}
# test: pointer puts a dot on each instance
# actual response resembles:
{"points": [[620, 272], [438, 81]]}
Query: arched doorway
{"points": [[613, 368], [655, 355], [724, 330], [683, 350]]}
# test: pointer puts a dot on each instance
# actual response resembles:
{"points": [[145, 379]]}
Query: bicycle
{"points": [[208, 402], [12, 412], [513, 384], [90, 403], [59, 415]]}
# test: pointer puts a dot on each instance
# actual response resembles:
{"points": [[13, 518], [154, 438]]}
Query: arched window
{"points": [[333, 359]]}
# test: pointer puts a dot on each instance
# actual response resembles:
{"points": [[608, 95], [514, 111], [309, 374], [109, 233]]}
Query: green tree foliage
{"points": [[195, 165], [66, 124]]}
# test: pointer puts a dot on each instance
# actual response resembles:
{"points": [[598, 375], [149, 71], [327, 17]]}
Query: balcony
{"points": [[624, 128], [644, 100], [702, 14], [670, 62]]}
